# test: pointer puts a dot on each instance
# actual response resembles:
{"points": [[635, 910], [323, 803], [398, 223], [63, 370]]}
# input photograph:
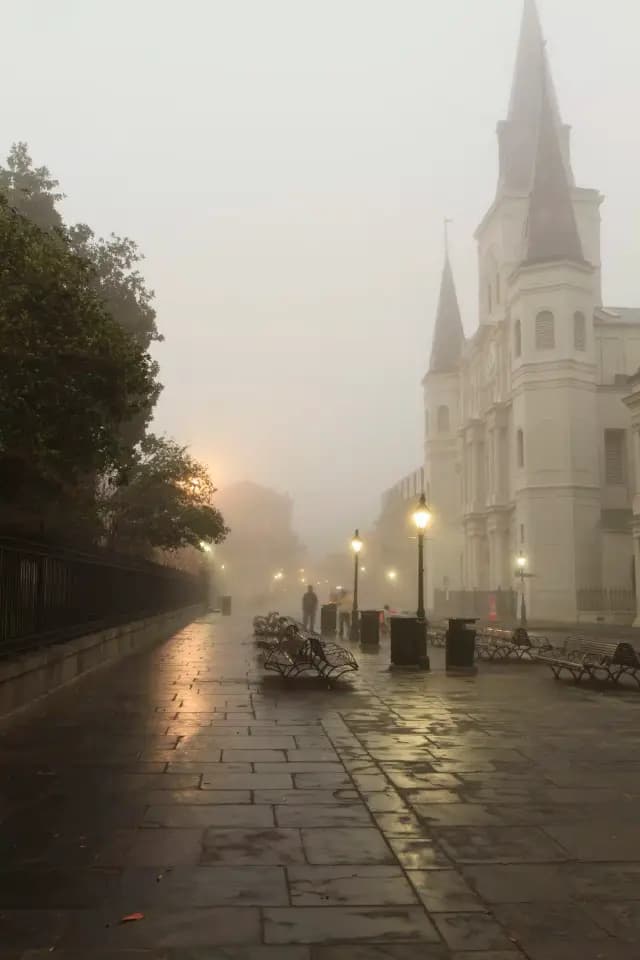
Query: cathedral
{"points": [[529, 452]]}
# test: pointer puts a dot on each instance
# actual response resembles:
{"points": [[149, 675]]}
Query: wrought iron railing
{"points": [[484, 604], [610, 600], [50, 594]]}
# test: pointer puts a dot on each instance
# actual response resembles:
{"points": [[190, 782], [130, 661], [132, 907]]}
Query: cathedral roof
{"points": [[519, 135], [448, 335], [552, 229]]}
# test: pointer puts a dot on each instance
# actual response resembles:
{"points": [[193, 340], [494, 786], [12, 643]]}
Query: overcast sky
{"points": [[286, 166]]}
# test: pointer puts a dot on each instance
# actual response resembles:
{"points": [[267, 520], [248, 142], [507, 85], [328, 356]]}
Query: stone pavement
{"points": [[404, 817]]}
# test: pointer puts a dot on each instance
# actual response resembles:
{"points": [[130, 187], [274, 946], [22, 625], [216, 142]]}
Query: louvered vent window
{"points": [[545, 331], [579, 331], [614, 444]]}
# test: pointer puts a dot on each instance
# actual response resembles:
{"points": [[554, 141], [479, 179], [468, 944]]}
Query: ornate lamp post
{"points": [[356, 546], [421, 518], [522, 566]]}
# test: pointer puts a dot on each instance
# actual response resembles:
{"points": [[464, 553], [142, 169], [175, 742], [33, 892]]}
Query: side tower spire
{"points": [[448, 334]]}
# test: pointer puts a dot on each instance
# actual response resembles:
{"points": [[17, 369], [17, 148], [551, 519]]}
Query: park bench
{"points": [[594, 659], [500, 644], [299, 652]]}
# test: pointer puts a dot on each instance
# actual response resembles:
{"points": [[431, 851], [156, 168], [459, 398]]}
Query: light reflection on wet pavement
{"points": [[393, 817]]}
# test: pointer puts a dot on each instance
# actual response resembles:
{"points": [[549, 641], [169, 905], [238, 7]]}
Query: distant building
{"points": [[527, 438]]}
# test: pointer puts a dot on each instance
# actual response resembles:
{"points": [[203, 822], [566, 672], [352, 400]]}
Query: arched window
{"points": [[545, 331], [517, 338], [443, 420], [579, 331], [520, 448]]}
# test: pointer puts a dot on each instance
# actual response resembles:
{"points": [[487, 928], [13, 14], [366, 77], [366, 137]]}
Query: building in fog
{"points": [[527, 433]]}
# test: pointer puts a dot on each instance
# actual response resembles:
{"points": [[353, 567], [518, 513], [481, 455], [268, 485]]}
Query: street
{"points": [[406, 816]]}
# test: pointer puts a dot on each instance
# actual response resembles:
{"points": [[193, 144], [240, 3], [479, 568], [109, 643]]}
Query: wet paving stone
{"points": [[380, 951], [318, 815], [419, 853], [349, 885], [203, 886], [246, 781], [499, 845], [444, 891], [471, 931], [223, 815], [276, 847], [346, 846], [151, 847], [340, 924], [164, 927]]}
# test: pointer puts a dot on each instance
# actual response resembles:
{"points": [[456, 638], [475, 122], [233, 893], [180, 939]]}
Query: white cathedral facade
{"points": [[528, 442]]}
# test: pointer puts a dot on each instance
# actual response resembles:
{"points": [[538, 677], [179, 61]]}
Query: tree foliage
{"points": [[164, 499], [30, 190], [70, 375]]}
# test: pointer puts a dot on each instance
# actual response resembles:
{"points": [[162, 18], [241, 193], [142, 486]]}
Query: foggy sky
{"points": [[286, 166]]}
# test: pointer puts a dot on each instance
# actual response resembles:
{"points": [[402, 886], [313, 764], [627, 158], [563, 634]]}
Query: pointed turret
{"points": [[519, 135], [448, 335], [552, 232]]}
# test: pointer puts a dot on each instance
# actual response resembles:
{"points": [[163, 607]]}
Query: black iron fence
{"points": [[596, 600], [48, 594], [484, 604]]}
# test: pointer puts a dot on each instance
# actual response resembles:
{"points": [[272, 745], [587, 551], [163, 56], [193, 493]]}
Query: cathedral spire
{"points": [[552, 229], [448, 335], [519, 135]]}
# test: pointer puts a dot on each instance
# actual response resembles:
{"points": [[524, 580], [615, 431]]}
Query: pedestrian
{"points": [[345, 605], [309, 608]]}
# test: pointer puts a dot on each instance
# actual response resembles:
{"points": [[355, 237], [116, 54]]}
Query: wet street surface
{"points": [[396, 817]]}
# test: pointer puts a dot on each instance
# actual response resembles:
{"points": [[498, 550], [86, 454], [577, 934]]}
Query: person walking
{"points": [[309, 608], [345, 605]]}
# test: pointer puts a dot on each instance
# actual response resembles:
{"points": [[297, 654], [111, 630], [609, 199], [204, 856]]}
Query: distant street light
{"points": [[392, 575], [206, 547], [522, 566], [421, 518], [356, 546], [279, 575]]}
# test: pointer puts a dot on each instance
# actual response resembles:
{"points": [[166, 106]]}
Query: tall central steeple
{"points": [[518, 136]]}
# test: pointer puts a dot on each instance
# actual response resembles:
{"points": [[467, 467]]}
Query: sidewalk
{"points": [[408, 817]]}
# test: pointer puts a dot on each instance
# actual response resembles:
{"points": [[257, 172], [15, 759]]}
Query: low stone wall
{"points": [[33, 675]]}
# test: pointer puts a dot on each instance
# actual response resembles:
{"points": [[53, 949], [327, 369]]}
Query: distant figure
{"points": [[309, 608], [345, 605]]}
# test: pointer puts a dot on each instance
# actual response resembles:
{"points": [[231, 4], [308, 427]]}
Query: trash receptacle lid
{"points": [[463, 619]]}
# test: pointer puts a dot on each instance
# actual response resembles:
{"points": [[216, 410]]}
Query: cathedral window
{"points": [[520, 448], [517, 338], [614, 456], [443, 420], [545, 331], [579, 331]]}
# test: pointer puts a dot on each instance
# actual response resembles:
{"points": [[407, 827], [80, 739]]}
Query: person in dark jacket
{"points": [[309, 608]]}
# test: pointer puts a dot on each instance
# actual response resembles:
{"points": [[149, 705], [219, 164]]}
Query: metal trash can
{"points": [[225, 603], [328, 619], [461, 644], [409, 642], [370, 628]]}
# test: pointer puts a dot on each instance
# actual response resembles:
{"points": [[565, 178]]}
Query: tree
{"points": [[70, 375], [164, 499], [30, 190]]}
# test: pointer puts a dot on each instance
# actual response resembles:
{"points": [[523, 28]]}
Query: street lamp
{"points": [[356, 546], [421, 519], [522, 566], [392, 575]]}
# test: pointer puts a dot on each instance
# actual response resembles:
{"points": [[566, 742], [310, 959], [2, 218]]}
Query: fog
{"points": [[286, 167]]}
